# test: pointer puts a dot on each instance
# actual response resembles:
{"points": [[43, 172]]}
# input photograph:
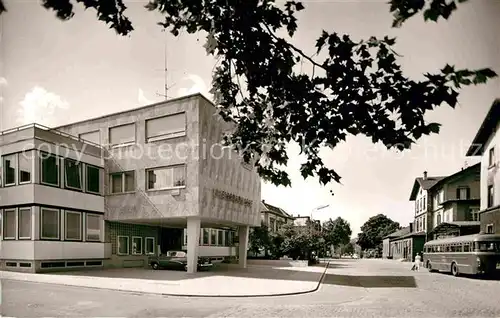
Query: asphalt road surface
{"points": [[385, 289]]}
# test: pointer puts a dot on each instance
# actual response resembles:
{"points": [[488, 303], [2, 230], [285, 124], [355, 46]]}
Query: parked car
{"points": [[176, 260]]}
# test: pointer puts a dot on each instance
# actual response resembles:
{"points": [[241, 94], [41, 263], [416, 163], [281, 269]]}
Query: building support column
{"points": [[193, 239], [243, 233]]}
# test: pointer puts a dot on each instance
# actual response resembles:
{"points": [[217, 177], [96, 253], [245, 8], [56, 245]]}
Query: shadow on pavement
{"points": [[371, 281], [228, 270]]}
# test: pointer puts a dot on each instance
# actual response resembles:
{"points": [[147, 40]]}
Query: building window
{"points": [[440, 196], [93, 179], [9, 224], [49, 224], [123, 182], [73, 227], [474, 214], [73, 174], [213, 237], [424, 223], [123, 248], [490, 196], [491, 157], [136, 245], [149, 245], [9, 169], [49, 169], [206, 237], [93, 232], [24, 223], [166, 127], [25, 166], [489, 229], [166, 178], [220, 237], [93, 136], [226, 238], [463, 193], [438, 219], [122, 135]]}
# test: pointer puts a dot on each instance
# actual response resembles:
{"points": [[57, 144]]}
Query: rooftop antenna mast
{"points": [[165, 62]]}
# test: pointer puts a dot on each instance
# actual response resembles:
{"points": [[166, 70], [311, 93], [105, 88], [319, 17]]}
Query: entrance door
{"points": [[171, 239]]}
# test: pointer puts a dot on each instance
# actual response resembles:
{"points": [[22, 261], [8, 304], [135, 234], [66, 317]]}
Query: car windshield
{"points": [[488, 246]]}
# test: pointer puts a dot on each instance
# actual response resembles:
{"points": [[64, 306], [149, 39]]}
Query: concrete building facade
{"points": [[167, 183]]}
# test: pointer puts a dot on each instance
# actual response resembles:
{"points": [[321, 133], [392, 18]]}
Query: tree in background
{"points": [[300, 241], [337, 232], [374, 230], [355, 87], [259, 239], [347, 249]]}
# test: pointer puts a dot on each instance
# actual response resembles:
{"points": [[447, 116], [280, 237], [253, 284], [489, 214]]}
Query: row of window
{"points": [[156, 179], [214, 237], [420, 204], [420, 224], [159, 128], [464, 247], [18, 169], [139, 246], [17, 224]]}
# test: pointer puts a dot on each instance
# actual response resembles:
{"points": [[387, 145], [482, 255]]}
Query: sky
{"points": [[53, 72]]}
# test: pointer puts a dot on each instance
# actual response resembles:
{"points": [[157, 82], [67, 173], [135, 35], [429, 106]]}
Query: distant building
{"points": [[274, 217], [486, 144]]}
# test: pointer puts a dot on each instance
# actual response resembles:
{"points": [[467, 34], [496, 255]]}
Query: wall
{"points": [[491, 217], [421, 214], [215, 251], [224, 171], [50, 250], [470, 179], [150, 204], [490, 175], [398, 248], [386, 248]]}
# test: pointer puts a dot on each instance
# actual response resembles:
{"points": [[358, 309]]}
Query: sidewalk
{"points": [[226, 282]]}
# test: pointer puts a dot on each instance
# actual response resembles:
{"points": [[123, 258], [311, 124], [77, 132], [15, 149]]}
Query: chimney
{"points": [[411, 227], [425, 175]]}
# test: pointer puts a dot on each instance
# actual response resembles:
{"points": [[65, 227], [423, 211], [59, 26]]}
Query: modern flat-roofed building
{"points": [[51, 199], [166, 184]]}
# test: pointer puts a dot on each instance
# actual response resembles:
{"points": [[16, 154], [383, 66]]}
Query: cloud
{"points": [[40, 106], [143, 100], [196, 85]]}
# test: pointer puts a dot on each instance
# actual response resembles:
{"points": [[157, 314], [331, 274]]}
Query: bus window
{"points": [[489, 246], [466, 247]]}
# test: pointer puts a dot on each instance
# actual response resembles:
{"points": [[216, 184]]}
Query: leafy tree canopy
{"points": [[347, 249], [356, 86], [259, 239], [374, 230], [337, 232]]}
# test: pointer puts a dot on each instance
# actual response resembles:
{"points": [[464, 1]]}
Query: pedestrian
{"points": [[418, 260]]}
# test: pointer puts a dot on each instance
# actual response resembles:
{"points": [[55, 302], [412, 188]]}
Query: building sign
{"points": [[231, 197]]}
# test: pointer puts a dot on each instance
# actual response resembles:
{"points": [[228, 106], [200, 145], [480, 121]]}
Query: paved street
{"points": [[352, 288]]}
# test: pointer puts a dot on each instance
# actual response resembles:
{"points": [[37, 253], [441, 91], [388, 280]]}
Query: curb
{"points": [[320, 281]]}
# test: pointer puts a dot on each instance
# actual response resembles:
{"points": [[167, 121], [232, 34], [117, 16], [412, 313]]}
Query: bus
{"points": [[469, 254]]}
